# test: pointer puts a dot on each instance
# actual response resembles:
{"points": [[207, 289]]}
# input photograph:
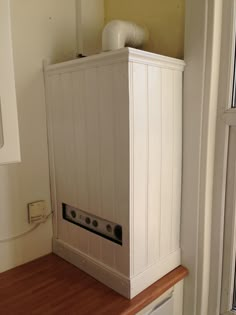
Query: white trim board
{"points": [[120, 55], [225, 119], [209, 46], [93, 267], [202, 53], [229, 249], [129, 288]]}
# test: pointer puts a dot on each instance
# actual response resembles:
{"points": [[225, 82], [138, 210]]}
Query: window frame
{"points": [[223, 242], [207, 117]]}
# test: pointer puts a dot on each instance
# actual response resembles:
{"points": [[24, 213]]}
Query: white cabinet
{"points": [[164, 309], [115, 135], [169, 303], [9, 132]]}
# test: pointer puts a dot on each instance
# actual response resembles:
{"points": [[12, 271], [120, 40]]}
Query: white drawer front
{"points": [[165, 308]]}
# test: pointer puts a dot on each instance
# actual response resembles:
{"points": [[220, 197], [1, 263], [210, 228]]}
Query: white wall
{"points": [[41, 29]]}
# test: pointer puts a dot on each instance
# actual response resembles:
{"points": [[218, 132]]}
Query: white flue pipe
{"points": [[118, 34]]}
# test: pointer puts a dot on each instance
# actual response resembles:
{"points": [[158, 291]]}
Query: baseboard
{"points": [[128, 288], [96, 269], [154, 273]]}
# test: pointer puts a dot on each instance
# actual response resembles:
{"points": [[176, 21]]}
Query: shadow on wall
{"points": [[164, 20]]}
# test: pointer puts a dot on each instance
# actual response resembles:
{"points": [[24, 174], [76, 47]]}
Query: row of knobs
{"points": [[117, 229]]}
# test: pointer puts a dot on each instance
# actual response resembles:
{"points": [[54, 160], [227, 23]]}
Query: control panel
{"points": [[92, 223]]}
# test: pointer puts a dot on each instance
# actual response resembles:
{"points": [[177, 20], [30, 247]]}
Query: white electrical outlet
{"points": [[37, 211]]}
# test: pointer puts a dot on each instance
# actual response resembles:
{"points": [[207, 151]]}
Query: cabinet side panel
{"points": [[167, 162], [177, 159], [139, 164], [154, 170], [89, 123]]}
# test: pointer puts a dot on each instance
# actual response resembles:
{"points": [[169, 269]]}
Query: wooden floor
{"points": [[50, 285]]}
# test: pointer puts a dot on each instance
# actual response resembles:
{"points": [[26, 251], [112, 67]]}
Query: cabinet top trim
{"points": [[121, 55]]}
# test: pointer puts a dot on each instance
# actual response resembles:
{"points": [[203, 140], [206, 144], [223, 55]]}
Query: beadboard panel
{"points": [[108, 156], [155, 161], [89, 115], [80, 236], [139, 165], [154, 169], [113, 116], [120, 90], [167, 161], [177, 160], [93, 149]]}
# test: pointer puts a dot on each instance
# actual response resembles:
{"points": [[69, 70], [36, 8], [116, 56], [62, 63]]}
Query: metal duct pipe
{"points": [[118, 34]]}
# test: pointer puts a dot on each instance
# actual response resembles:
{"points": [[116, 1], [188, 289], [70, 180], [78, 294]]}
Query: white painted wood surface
{"points": [[226, 118], [176, 292], [116, 131], [229, 252], [148, 309], [9, 131], [201, 85]]}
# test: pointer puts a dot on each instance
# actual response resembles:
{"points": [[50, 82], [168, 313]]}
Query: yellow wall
{"points": [[163, 18]]}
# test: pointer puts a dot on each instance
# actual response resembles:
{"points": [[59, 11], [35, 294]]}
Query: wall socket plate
{"points": [[37, 211]]}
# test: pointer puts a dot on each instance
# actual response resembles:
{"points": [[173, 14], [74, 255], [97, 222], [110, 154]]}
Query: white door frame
{"points": [[202, 56]]}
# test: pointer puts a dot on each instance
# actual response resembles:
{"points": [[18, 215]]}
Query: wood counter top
{"points": [[50, 285]]}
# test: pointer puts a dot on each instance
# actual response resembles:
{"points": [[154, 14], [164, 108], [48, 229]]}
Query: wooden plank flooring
{"points": [[50, 285]]}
